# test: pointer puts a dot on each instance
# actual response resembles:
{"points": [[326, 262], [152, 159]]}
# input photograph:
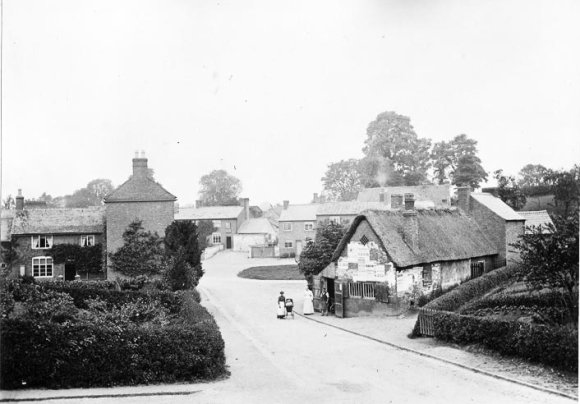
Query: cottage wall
{"points": [[26, 253], [225, 232], [513, 232], [493, 226], [454, 272], [296, 234]]}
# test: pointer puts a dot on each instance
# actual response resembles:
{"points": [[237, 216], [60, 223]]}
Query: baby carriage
{"points": [[289, 307], [281, 313]]}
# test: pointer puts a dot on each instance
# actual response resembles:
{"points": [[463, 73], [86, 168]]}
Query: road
{"points": [[302, 361]]}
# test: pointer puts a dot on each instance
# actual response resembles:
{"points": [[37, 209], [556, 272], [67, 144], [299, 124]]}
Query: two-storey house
{"points": [[296, 226]]}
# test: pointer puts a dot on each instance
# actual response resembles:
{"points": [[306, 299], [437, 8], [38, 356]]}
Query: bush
{"points": [[557, 346], [477, 287], [56, 355]]}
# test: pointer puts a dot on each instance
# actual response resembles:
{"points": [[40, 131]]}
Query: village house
{"points": [[425, 195], [537, 219], [35, 232], [256, 236], [138, 198], [388, 258], [297, 226], [345, 212], [227, 220]]}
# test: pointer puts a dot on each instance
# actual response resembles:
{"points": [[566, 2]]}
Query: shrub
{"points": [[557, 346]]}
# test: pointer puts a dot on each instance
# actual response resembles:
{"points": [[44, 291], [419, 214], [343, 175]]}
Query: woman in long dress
{"points": [[308, 305]]}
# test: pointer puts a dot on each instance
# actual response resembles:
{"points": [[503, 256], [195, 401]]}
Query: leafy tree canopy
{"points": [[219, 188], [552, 260], [566, 188], [458, 162], [141, 254], [509, 191], [391, 136], [91, 195], [533, 175], [182, 247], [342, 180], [317, 254]]}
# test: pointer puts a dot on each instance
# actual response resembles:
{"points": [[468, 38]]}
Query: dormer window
{"points": [[41, 242], [87, 240]]}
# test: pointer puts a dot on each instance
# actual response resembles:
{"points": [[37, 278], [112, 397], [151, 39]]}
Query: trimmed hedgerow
{"points": [[557, 346], [56, 355]]}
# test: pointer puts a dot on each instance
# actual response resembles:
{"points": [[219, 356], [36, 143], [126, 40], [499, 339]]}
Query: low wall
{"points": [[211, 251]]}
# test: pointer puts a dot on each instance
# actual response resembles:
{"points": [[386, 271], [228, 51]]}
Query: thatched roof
{"points": [[59, 221], [443, 235]]}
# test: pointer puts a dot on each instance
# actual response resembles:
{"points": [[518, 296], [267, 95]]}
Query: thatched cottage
{"points": [[388, 258]]}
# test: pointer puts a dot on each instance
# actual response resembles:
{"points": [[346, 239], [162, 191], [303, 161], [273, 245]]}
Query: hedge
{"points": [[84, 355], [557, 346], [472, 289]]}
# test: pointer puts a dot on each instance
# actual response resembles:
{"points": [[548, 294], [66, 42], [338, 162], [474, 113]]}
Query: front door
{"points": [[330, 289], [70, 271], [228, 242], [338, 299]]}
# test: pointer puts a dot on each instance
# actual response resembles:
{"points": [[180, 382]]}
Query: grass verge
{"points": [[273, 272]]}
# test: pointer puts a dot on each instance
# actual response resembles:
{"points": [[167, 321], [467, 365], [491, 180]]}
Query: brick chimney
{"points": [[245, 202], [198, 204], [315, 198], [411, 226], [286, 203], [396, 201], [140, 165], [463, 196], [19, 200]]}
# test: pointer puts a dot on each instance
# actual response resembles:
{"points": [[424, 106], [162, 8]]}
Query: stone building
{"points": [[139, 198]]}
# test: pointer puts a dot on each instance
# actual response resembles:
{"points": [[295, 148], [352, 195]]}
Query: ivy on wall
{"points": [[86, 259]]}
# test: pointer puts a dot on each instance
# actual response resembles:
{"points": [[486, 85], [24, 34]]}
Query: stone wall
{"points": [[493, 226]]}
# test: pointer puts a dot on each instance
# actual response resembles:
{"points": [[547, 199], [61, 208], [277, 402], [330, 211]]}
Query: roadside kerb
{"points": [[440, 359], [85, 396]]}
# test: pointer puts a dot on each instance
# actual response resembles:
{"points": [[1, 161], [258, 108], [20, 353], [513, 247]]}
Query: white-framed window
{"points": [[216, 238], [228, 225], [42, 267], [335, 219], [287, 226], [309, 226], [87, 240], [288, 244], [41, 242], [217, 223]]}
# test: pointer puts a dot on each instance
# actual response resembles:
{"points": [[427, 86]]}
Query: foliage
{"points": [[556, 346], [87, 259], [219, 188], [342, 180], [377, 171], [141, 253], [183, 269], [205, 228], [10, 253], [533, 175], [566, 188], [391, 136], [457, 161], [552, 261], [509, 191], [91, 195], [317, 254]]}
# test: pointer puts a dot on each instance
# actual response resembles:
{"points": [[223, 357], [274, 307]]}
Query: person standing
{"points": [[324, 302], [308, 305]]}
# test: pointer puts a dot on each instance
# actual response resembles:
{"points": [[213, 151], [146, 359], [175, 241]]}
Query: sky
{"points": [[273, 91]]}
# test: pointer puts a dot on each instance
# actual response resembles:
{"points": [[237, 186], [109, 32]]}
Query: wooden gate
{"points": [[477, 269], [339, 299], [426, 322]]}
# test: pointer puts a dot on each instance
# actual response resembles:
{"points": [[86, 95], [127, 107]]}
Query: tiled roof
{"points": [[433, 193], [59, 221], [296, 213], [139, 189], [537, 218], [497, 206], [209, 213], [349, 208], [443, 235], [256, 226]]}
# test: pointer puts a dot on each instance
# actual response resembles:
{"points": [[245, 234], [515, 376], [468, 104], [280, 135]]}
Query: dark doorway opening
{"points": [[70, 271], [330, 290], [228, 242]]}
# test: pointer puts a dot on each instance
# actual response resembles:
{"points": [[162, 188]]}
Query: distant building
{"points": [[537, 219], [425, 195], [296, 226]]}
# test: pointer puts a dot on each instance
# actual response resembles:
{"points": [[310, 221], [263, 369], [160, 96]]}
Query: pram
{"points": [[281, 313], [289, 307]]}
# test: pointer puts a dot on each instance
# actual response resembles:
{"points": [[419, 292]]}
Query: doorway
{"points": [[330, 290], [70, 271], [228, 242]]}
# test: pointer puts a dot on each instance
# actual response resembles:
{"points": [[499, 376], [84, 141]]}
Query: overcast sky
{"points": [[274, 91]]}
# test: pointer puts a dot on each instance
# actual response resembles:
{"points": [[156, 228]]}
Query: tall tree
{"points": [[91, 195], [376, 171], [566, 188], [342, 180], [316, 254], [391, 136], [533, 175], [141, 253], [509, 191], [458, 162], [219, 188], [182, 247]]}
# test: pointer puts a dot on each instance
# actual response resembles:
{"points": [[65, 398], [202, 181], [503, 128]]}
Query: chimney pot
{"points": [[19, 200], [409, 202], [463, 194], [396, 201], [286, 203], [315, 198]]}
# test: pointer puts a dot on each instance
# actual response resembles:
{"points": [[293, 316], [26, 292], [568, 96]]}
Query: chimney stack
{"points": [[396, 201], [463, 194], [19, 200], [198, 204], [245, 202], [409, 202], [315, 198], [286, 203], [140, 165], [411, 226]]}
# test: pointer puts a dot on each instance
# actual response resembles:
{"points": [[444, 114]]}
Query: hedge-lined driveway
{"points": [[298, 360]]}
